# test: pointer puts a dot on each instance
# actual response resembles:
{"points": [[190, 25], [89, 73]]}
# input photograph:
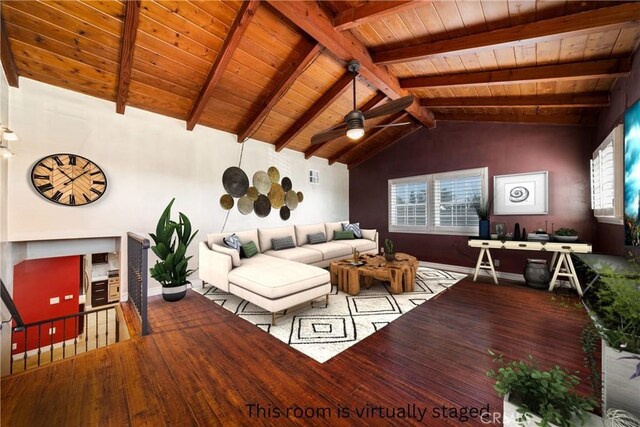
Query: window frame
{"points": [[612, 215], [430, 227]]}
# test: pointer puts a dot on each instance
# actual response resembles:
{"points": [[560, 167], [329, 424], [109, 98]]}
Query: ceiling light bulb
{"points": [[5, 152], [356, 133], [8, 135]]}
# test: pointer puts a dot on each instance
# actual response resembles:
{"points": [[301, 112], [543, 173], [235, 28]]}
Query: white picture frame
{"points": [[521, 194]]}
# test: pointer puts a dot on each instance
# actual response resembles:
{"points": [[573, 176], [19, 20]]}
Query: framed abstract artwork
{"points": [[521, 194]]}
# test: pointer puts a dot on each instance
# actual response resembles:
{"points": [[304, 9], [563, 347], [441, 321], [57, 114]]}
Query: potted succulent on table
{"points": [[538, 397], [389, 254], [171, 242]]}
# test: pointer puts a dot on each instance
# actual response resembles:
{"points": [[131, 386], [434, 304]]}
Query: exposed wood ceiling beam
{"points": [[240, 24], [560, 72], [370, 135], [558, 119], [315, 21], [129, 32], [382, 147], [297, 68], [598, 20], [369, 12], [571, 100], [8, 64], [373, 102], [316, 109]]}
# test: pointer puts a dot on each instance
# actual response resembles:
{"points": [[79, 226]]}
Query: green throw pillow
{"points": [[249, 249], [343, 235]]}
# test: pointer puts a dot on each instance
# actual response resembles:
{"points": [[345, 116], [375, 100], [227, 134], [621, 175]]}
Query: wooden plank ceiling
{"points": [[276, 70]]}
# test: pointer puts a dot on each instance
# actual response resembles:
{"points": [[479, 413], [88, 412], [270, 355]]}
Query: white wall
{"points": [[148, 159]]}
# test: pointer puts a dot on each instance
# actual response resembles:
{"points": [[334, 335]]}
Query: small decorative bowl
{"points": [[565, 238]]}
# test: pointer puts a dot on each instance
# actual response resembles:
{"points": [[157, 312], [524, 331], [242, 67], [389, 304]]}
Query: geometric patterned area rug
{"points": [[321, 331]]}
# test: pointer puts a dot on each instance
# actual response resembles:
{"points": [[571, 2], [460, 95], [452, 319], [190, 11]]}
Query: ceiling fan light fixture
{"points": [[355, 133]]}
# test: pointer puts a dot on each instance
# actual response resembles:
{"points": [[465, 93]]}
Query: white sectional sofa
{"points": [[279, 279]]}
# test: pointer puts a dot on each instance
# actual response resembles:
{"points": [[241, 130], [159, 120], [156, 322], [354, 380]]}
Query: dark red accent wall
{"points": [[609, 238], [34, 283], [504, 148]]}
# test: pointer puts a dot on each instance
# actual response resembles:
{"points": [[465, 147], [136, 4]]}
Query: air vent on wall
{"points": [[314, 177]]}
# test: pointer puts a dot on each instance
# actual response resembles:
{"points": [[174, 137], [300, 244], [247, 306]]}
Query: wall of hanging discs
{"points": [[267, 192]]}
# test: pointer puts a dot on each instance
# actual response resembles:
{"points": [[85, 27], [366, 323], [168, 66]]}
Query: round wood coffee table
{"points": [[401, 273]]}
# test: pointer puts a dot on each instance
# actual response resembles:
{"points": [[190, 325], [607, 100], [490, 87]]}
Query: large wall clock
{"points": [[68, 179]]}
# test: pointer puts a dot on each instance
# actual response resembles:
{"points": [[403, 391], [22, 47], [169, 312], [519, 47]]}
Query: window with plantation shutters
{"points": [[437, 203], [408, 204], [606, 178]]}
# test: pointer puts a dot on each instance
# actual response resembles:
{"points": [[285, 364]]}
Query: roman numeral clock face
{"points": [[68, 179]]}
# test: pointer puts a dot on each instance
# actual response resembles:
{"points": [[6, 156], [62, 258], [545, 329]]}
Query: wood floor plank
{"points": [[202, 365]]}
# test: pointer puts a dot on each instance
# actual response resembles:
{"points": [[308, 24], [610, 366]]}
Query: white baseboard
{"points": [[469, 270]]}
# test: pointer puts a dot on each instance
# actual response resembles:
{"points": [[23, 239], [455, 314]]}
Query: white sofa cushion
{"points": [[330, 227], [244, 236], [303, 231], [278, 278], [331, 250], [307, 256], [234, 254], [368, 234], [360, 244], [266, 234]]}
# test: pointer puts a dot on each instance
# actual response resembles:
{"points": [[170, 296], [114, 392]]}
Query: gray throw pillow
{"points": [[233, 242], [354, 228], [316, 238], [283, 243]]}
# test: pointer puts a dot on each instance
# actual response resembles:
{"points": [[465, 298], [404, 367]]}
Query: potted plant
{"points": [[614, 307], [171, 242], [482, 210], [389, 254], [566, 235], [538, 397]]}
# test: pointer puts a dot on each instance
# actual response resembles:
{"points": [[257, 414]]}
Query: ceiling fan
{"points": [[354, 122]]}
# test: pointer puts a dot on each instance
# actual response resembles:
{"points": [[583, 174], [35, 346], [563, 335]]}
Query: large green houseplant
{"points": [[171, 242], [545, 397]]}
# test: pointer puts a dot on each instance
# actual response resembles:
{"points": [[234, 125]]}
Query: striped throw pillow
{"points": [[343, 235], [316, 238], [232, 241], [283, 243], [249, 249], [355, 228]]}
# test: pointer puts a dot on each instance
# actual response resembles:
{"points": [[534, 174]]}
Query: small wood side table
{"points": [[401, 273]]}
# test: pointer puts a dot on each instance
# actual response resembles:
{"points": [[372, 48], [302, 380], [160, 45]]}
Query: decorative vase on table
{"points": [[389, 253], [484, 229], [171, 242]]}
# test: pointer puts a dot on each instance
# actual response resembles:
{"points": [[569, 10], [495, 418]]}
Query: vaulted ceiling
{"points": [[275, 70]]}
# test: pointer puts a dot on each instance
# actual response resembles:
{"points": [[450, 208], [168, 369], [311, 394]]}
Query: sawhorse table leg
{"points": [[563, 267], [482, 265]]}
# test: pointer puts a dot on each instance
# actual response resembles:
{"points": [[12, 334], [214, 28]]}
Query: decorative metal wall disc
{"points": [[235, 181], [285, 213], [262, 206], [286, 184], [226, 201], [245, 205], [300, 197], [252, 193], [262, 182], [291, 199], [274, 174], [276, 196]]}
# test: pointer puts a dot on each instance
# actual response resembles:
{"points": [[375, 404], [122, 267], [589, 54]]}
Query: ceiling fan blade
{"points": [[327, 135], [390, 107], [389, 125]]}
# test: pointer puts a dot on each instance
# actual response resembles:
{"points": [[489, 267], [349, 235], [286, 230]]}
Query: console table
{"points": [[561, 263]]}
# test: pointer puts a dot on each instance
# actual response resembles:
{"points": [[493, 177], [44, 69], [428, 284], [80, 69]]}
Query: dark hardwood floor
{"points": [[201, 365]]}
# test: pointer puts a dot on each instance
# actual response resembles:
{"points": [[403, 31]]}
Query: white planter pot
{"points": [[618, 391], [510, 414]]}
